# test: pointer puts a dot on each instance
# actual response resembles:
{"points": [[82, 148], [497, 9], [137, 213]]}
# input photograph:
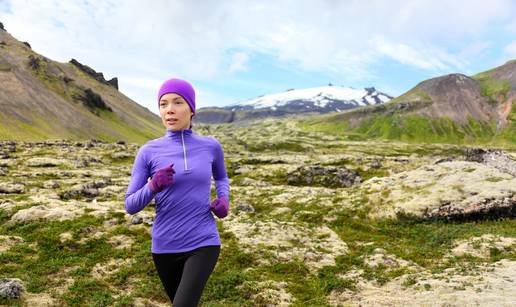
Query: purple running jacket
{"points": [[183, 218]]}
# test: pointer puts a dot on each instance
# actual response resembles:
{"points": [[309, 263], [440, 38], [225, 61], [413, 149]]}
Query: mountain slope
{"points": [[453, 108], [42, 99], [319, 100]]}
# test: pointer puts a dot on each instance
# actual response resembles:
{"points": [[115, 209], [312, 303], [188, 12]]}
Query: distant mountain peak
{"points": [[330, 98], [321, 100]]}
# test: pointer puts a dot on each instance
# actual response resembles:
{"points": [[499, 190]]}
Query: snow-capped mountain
{"points": [[324, 99]]}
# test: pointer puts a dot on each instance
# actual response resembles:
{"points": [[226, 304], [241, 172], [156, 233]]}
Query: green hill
{"points": [[42, 99], [454, 109]]}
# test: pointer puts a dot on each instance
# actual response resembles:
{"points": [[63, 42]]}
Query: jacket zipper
{"points": [[184, 152]]}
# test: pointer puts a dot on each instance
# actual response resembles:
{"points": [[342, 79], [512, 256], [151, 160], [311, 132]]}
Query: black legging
{"points": [[185, 274]]}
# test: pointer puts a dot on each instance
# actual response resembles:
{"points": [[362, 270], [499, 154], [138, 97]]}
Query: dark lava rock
{"points": [[330, 177]]}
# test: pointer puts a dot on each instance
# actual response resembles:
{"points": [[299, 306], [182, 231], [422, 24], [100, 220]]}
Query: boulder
{"points": [[11, 288], [456, 190], [330, 177], [44, 162], [244, 207], [16, 188], [88, 190]]}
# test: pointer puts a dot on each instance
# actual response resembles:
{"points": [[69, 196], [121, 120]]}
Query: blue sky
{"points": [[232, 51]]}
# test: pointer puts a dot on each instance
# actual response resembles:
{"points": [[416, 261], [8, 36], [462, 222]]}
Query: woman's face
{"points": [[175, 112]]}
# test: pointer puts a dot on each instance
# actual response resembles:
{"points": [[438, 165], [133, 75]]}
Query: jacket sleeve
{"points": [[138, 193], [219, 172]]}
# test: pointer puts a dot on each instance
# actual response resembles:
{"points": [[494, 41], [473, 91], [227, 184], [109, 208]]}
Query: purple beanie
{"points": [[180, 87]]}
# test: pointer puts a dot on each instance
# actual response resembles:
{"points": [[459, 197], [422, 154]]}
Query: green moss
{"points": [[419, 241], [320, 125], [507, 136], [51, 81], [121, 130], [512, 114], [276, 146], [52, 254], [492, 88], [420, 129], [223, 287], [90, 292], [32, 129], [494, 179], [371, 172], [479, 132]]}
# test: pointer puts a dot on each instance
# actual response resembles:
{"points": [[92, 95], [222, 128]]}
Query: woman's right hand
{"points": [[162, 178]]}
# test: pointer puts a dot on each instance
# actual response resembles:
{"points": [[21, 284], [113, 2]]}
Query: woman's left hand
{"points": [[220, 206]]}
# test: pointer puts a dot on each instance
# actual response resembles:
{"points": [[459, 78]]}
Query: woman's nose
{"points": [[170, 108]]}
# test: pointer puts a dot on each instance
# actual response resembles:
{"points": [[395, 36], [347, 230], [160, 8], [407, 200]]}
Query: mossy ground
{"points": [[42, 261]]}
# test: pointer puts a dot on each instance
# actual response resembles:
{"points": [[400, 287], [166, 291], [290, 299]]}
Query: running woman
{"points": [[185, 238]]}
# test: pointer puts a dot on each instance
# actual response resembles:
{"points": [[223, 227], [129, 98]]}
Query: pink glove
{"points": [[162, 178], [220, 206]]}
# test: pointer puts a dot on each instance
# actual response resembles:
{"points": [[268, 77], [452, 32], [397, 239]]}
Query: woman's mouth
{"points": [[171, 121]]}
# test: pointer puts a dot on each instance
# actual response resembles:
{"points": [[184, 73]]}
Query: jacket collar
{"points": [[177, 133]]}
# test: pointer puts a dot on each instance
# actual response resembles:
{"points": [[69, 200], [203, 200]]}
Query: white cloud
{"points": [[424, 57], [512, 26], [474, 49], [407, 55], [192, 36], [191, 39], [151, 84], [238, 62], [445, 21]]}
